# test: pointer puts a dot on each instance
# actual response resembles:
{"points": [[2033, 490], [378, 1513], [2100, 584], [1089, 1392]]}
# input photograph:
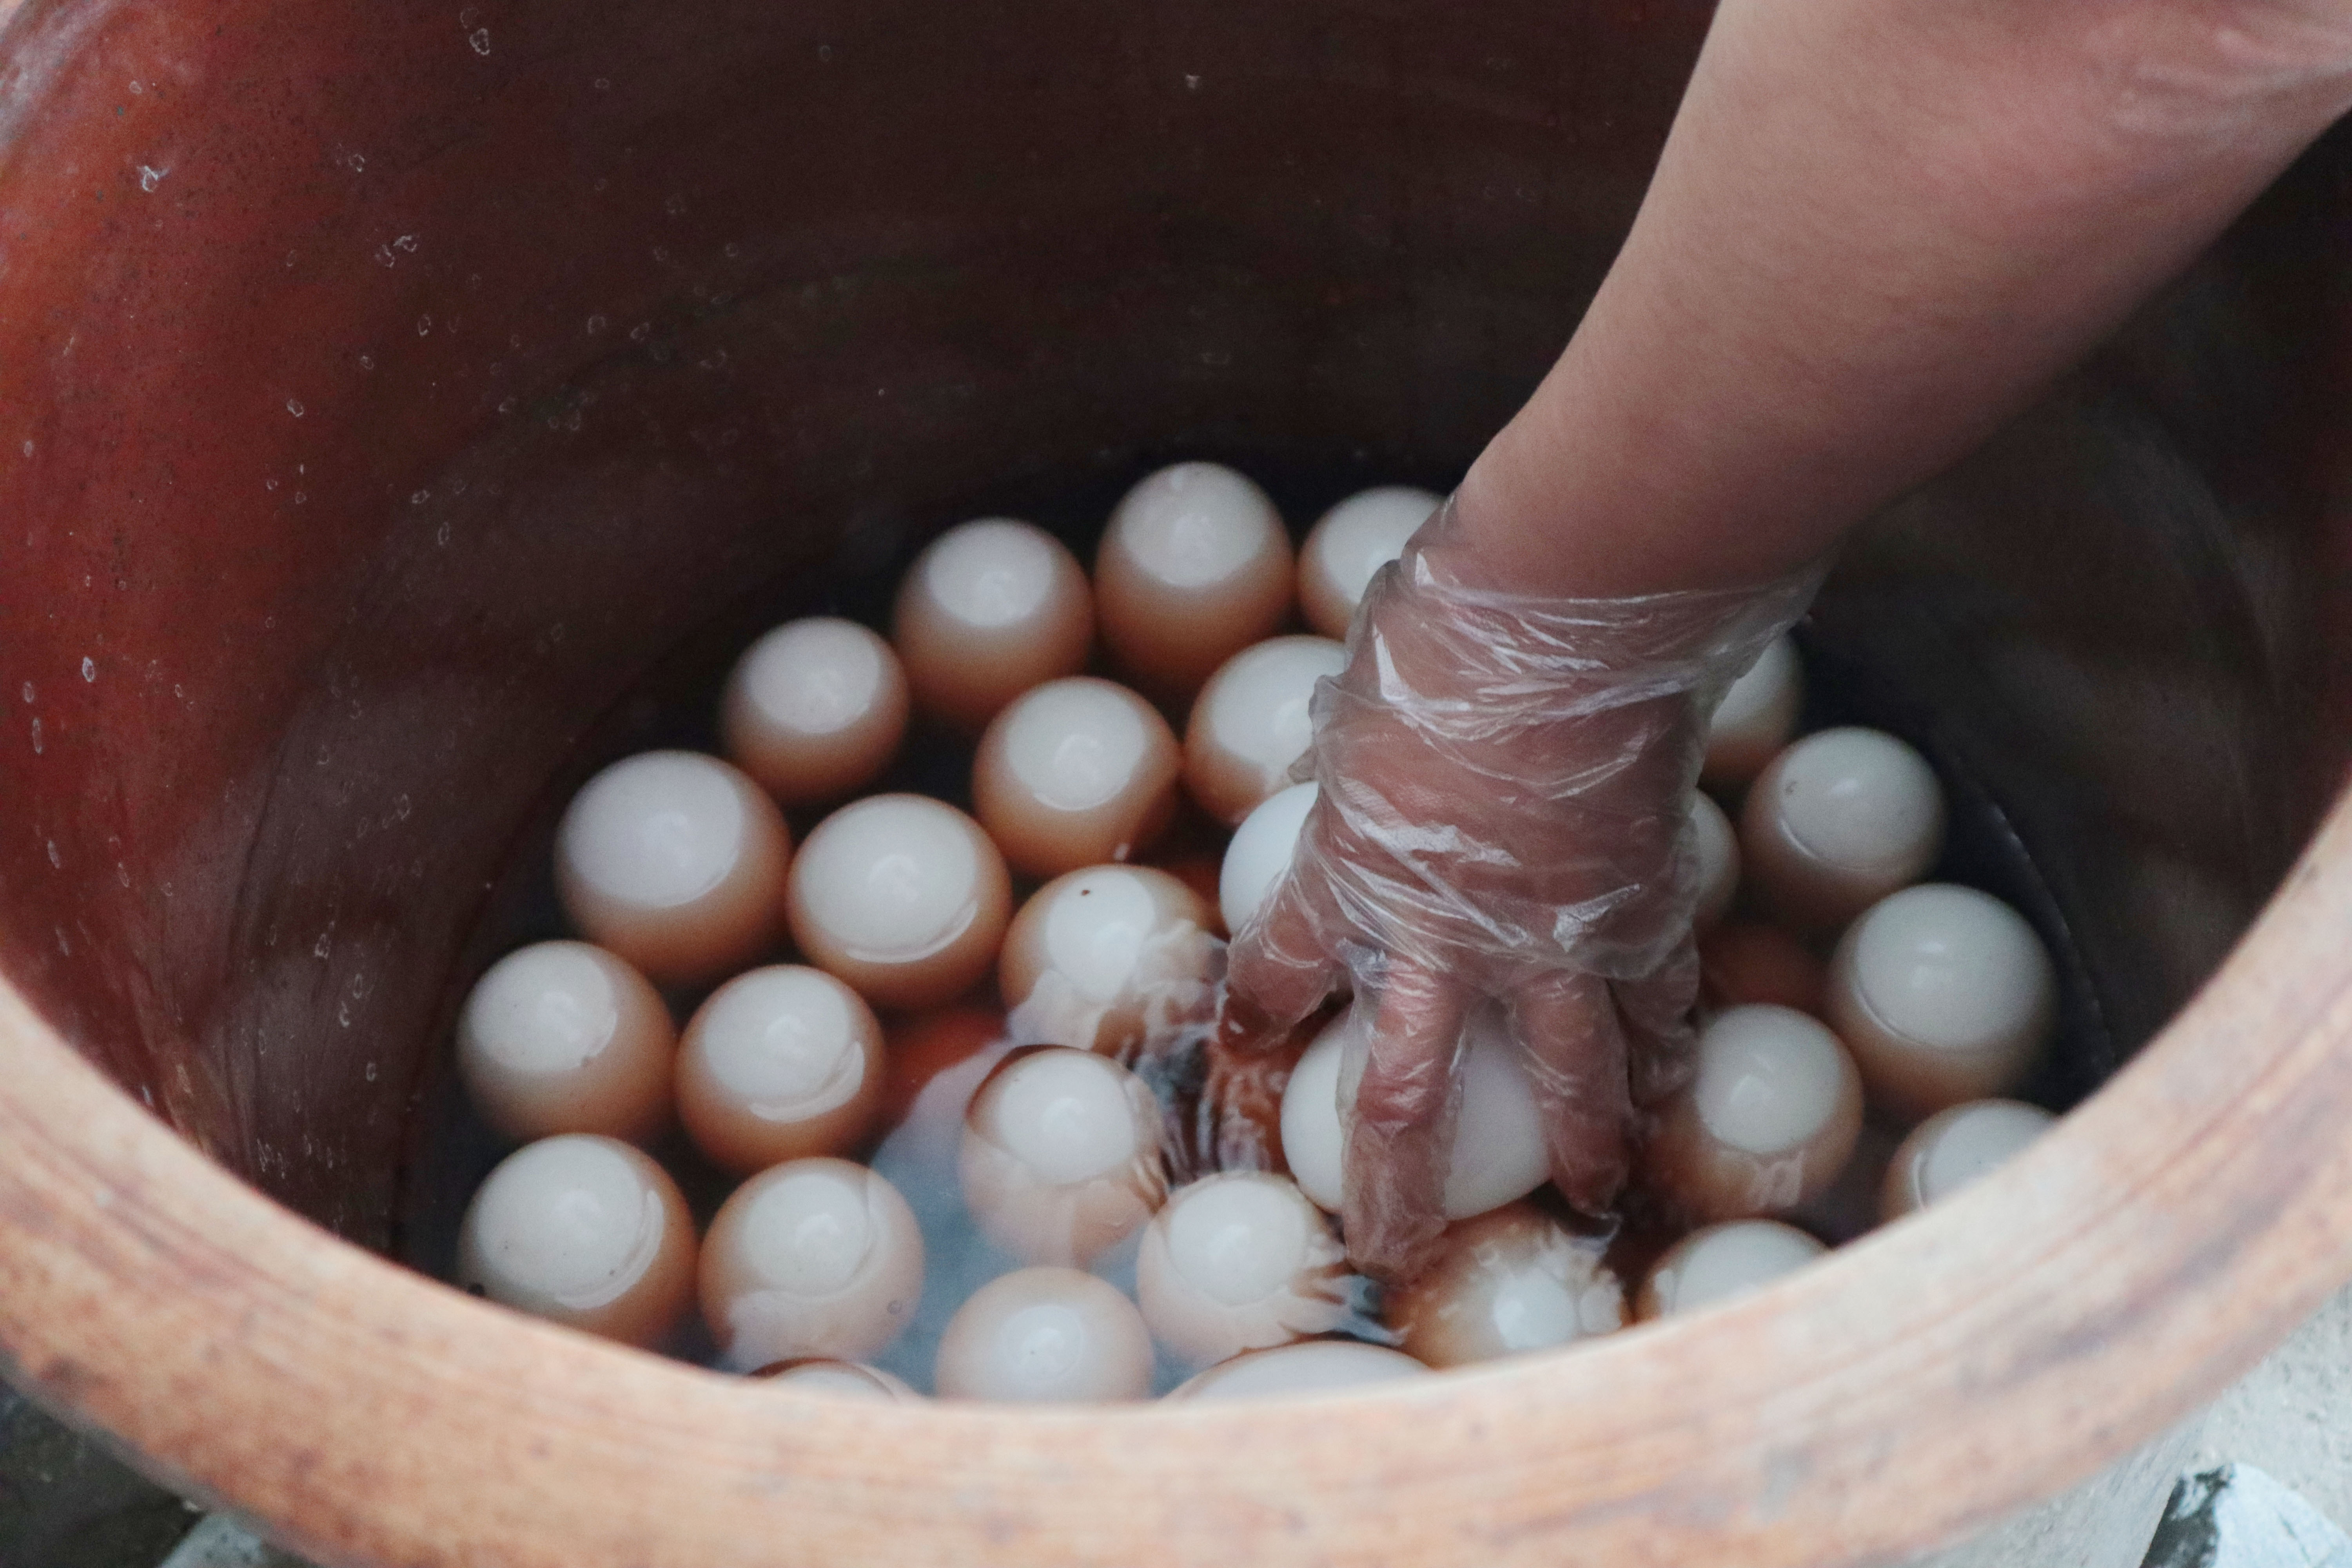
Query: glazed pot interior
{"points": [[402, 407]]}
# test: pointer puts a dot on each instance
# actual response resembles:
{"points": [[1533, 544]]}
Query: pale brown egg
{"points": [[1722, 1263], [1107, 958], [585, 1231], [1718, 861], [815, 710], [1351, 543], [1316, 1366], [779, 1064], [1756, 717], [1077, 772], [990, 609], [813, 1258], [560, 1037], [1239, 1261], [1044, 1336], [1252, 722], [903, 896], [1955, 1147], [1194, 567], [1061, 1156], [1503, 1283], [1768, 1122], [1837, 822], [1945, 994], [841, 1379], [676, 862]]}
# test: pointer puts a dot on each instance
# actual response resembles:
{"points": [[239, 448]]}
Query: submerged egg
{"points": [[584, 1230], [560, 1037], [1769, 1120], [1503, 1283], [1252, 722], [1239, 1261], [813, 1258], [779, 1064], [676, 862], [1194, 567], [815, 709], [901, 896], [1107, 958], [1077, 772], [1351, 543], [990, 609], [1045, 1335], [1061, 1156]]}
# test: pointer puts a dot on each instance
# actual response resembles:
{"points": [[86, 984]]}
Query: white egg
{"points": [[560, 1037], [584, 1230], [1075, 773], [901, 896], [1348, 544], [1108, 959], [675, 861], [1756, 717], [1944, 995], [1953, 1148], [1318, 1366], [1045, 1335], [1499, 1142], [841, 1379], [1837, 822], [1239, 1261], [1503, 1283], [1260, 854], [1061, 1155], [991, 608], [779, 1064], [1718, 861], [1252, 722], [815, 709], [813, 1258], [1767, 1120], [1194, 567], [1722, 1263]]}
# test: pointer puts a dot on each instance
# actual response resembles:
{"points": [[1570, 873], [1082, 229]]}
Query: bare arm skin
{"points": [[1878, 228]]}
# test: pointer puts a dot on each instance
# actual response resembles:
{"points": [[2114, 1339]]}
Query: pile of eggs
{"points": [[934, 1060]]}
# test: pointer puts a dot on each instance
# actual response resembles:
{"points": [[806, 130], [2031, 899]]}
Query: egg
{"points": [[846, 1379], [1944, 995], [815, 710], [1318, 1366], [1061, 1157], [901, 896], [1107, 959], [990, 609], [1767, 1120], [560, 1037], [1498, 1141], [1252, 722], [1756, 718], [1259, 855], [1044, 1334], [1837, 822], [1503, 1283], [673, 861], [1348, 544], [585, 1231], [779, 1064], [1718, 849], [1077, 772], [1239, 1261], [1722, 1263], [1955, 1147], [811, 1257], [1194, 567], [1749, 961]]}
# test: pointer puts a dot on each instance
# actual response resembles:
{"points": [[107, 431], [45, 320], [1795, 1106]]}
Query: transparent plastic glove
{"points": [[1502, 815]]}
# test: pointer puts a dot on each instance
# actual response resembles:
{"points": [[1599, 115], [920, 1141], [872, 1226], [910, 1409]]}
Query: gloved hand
{"points": [[1502, 815]]}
